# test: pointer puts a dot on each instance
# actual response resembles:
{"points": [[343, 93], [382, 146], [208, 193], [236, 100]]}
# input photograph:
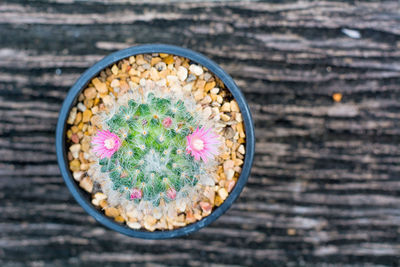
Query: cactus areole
{"points": [[153, 151]]}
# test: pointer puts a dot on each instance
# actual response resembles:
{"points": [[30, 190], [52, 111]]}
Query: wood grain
{"points": [[325, 185]]}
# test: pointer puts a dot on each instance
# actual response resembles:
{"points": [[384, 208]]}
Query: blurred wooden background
{"points": [[325, 187]]}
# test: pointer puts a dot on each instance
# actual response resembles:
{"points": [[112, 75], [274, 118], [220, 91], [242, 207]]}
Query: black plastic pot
{"points": [[83, 198]]}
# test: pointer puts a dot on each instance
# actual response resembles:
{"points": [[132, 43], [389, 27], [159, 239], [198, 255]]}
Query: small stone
{"points": [[157, 214], [234, 106], [75, 138], [114, 83], [206, 100], [85, 144], [181, 205], [239, 128], [238, 162], [196, 69], [132, 215], [107, 100], [87, 184], [132, 59], [72, 116], [209, 86], [124, 86], [191, 78], [81, 107], [238, 117], [77, 175], [198, 95], [188, 87], [190, 217], [119, 219], [223, 193], [226, 107], [114, 69], [182, 73], [225, 117], [103, 203], [200, 84], [96, 121], [231, 185], [95, 109], [214, 91], [171, 79], [155, 60], [207, 76], [87, 114], [100, 86], [228, 164], [207, 112], [169, 59], [149, 222], [218, 201], [206, 207], [75, 148], [241, 149], [219, 99], [161, 66], [154, 74], [140, 60], [90, 93], [146, 66], [229, 174], [100, 196], [209, 193], [134, 225], [95, 202], [111, 212]]}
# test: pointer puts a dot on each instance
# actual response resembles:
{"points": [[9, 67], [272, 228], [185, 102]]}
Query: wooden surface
{"points": [[325, 186]]}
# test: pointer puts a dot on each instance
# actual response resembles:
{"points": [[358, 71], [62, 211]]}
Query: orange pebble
{"points": [[337, 97]]}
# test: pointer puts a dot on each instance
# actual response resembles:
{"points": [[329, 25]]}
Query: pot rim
{"points": [[81, 196]]}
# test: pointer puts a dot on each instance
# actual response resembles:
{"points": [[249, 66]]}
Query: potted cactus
{"points": [[159, 136]]}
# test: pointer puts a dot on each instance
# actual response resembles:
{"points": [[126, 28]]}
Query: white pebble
{"points": [[229, 174], [171, 79], [81, 107], [182, 73], [214, 91], [77, 175], [188, 87], [75, 148], [115, 83], [196, 69], [241, 149], [134, 225]]}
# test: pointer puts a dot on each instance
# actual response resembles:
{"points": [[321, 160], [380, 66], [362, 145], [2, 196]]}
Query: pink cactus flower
{"points": [[167, 122], [202, 144], [136, 194], [171, 193], [105, 144]]}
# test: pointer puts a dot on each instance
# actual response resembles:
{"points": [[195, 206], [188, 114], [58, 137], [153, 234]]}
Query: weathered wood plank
{"points": [[325, 185]]}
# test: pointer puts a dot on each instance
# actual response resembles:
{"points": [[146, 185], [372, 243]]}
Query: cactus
{"points": [[146, 151]]}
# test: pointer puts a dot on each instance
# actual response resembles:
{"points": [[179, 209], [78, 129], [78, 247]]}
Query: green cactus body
{"points": [[152, 156]]}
